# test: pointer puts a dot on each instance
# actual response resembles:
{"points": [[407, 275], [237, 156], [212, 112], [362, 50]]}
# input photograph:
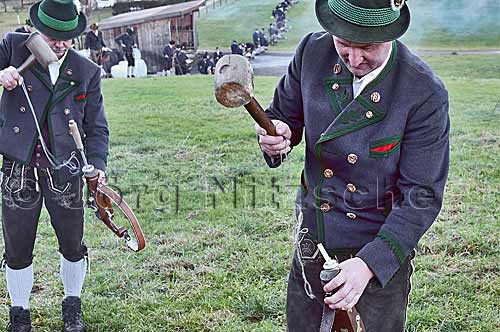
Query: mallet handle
{"points": [[31, 60], [73, 129], [257, 113]]}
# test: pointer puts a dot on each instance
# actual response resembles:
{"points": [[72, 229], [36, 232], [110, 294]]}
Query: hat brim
{"points": [[360, 34], [56, 34]]}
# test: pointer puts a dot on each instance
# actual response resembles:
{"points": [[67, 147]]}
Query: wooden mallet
{"points": [[234, 88], [40, 52]]}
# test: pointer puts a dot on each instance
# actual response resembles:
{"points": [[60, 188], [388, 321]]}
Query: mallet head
{"points": [[40, 49], [233, 81]]}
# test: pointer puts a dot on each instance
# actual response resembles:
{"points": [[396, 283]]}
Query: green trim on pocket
{"points": [[385, 141]]}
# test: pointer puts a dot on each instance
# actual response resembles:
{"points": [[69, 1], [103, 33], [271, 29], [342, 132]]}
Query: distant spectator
{"points": [[217, 55], [127, 42], [95, 43], [235, 48], [273, 34], [263, 39], [26, 28], [180, 61], [168, 54], [256, 37]]}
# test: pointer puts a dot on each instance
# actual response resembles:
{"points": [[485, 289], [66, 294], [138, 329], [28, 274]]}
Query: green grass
{"points": [[438, 25], [225, 268]]}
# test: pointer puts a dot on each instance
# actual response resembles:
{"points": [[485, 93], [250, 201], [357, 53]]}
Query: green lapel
{"points": [[339, 87], [42, 75], [65, 83], [360, 112]]}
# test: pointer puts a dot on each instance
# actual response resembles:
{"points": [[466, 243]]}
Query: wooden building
{"points": [[154, 28]]}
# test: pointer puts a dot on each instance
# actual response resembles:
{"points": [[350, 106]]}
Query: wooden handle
{"points": [[257, 113], [26, 64], [73, 130]]}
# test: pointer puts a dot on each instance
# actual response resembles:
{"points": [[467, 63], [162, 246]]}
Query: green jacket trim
{"points": [[358, 120], [394, 245], [320, 224], [38, 71], [387, 69]]}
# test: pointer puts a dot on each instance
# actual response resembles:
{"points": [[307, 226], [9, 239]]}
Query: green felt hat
{"points": [[364, 21], [58, 19]]}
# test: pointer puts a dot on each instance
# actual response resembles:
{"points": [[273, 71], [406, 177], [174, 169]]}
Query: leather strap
{"points": [[327, 319], [139, 242]]}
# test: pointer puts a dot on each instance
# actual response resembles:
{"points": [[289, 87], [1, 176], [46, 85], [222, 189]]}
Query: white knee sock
{"points": [[72, 275], [19, 285]]}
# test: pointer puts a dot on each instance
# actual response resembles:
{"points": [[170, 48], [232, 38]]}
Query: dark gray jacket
{"points": [[375, 166], [76, 95]]}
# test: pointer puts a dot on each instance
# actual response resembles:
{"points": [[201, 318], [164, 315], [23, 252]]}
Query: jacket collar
{"points": [[353, 114]]}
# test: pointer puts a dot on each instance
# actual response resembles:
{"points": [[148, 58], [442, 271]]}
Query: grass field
{"points": [[456, 24], [220, 264]]}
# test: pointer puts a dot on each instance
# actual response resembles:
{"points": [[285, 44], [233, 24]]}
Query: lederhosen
{"points": [[24, 189]]}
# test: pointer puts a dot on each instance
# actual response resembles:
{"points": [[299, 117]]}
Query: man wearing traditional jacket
{"points": [[376, 126], [94, 42], [45, 169]]}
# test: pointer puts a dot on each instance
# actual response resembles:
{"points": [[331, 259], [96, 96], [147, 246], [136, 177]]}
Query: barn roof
{"points": [[151, 14]]}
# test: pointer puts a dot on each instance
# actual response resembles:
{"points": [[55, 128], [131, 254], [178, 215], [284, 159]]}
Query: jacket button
{"points": [[72, 83], [375, 97], [38, 155], [337, 69], [369, 114], [16, 130], [335, 86], [69, 72], [29, 88], [352, 158], [351, 215], [325, 207], [351, 187], [328, 173], [22, 109], [67, 111]]}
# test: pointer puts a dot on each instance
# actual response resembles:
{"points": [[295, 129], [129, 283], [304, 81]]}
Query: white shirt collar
{"points": [[359, 84], [55, 67]]}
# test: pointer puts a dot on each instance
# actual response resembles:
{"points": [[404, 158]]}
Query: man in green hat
{"points": [[376, 126], [40, 160]]}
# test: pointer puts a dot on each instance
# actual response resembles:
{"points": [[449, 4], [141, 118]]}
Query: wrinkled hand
{"points": [[10, 78], [275, 145], [102, 177], [353, 278]]}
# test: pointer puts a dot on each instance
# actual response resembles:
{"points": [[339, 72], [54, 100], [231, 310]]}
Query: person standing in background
{"points": [[127, 42]]}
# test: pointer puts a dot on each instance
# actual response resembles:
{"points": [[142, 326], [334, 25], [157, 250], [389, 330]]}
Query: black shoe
{"points": [[72, 314], [20, 320]]}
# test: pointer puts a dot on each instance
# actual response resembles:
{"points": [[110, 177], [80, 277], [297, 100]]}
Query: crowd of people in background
{"points": [[176, 59], [260, 41]]}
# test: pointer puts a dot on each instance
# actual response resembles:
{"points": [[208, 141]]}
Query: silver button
{"points": [[352, 158], [351, 215]]}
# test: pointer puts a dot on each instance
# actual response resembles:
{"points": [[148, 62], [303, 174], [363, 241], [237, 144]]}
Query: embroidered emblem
{"points": [[384, 147]]}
